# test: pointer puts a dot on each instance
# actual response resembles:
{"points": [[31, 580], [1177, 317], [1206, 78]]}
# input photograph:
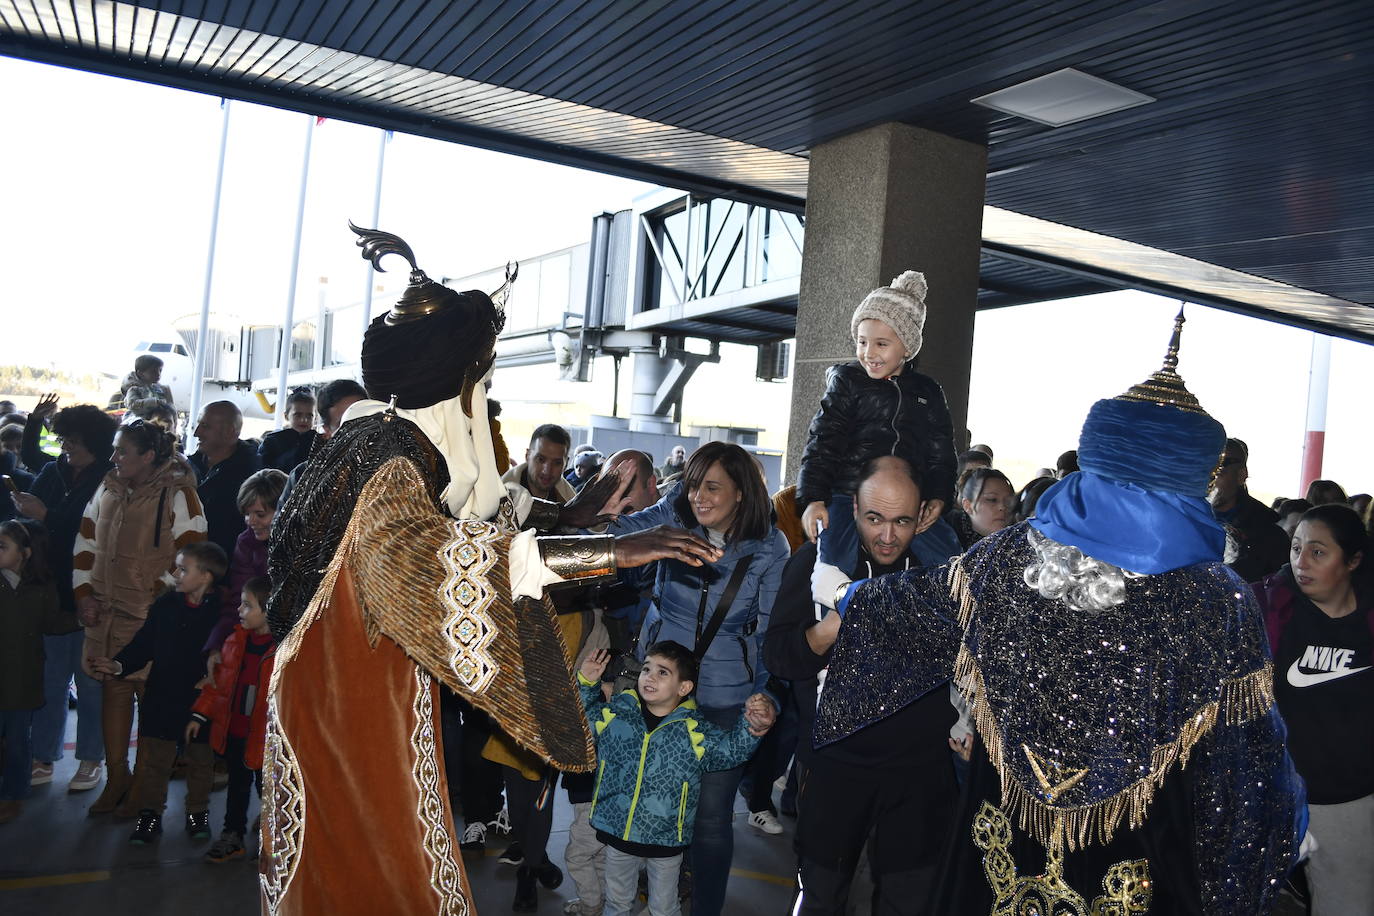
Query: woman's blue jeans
{"points": [[713, 836], [62, 663]]}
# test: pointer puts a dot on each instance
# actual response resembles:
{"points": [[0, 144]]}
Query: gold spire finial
{"points": [[1165, 386]]}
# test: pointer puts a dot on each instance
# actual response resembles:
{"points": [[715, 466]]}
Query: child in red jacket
{"points": [[234, 704]]}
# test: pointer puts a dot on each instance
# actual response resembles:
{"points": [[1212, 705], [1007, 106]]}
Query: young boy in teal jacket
{"points": [[651, 749]]}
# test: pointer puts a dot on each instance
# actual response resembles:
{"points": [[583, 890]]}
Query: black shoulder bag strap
{"points": [[727, 598]]}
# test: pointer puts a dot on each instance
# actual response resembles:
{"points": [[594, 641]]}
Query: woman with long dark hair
{"points": [[721, 610], [1319, 611]]}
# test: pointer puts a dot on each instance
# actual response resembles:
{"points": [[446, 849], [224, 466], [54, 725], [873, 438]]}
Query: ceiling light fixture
{"points": [[1062, 97]]}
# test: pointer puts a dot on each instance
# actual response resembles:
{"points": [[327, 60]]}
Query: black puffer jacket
{"points": [[862, 418]]}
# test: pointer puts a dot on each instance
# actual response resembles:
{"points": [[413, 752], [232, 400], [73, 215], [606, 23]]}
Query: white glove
{"points": [[826, 581], [1309, 846]]}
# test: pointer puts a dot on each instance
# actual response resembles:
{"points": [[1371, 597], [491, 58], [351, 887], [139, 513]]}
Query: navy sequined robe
{"points": [[1130, 761]]}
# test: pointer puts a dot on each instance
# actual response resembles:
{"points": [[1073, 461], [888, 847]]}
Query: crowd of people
{"points": [[761, 646]]}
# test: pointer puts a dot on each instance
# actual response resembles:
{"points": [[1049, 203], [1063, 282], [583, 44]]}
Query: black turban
{"points": [[424, 360]]}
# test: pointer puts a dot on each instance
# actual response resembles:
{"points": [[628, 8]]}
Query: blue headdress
{"points": [[1146, 460]]}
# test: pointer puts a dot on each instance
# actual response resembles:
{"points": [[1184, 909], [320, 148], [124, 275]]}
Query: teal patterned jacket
{"points": [[647, 782]]}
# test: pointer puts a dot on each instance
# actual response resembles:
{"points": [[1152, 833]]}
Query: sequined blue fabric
{"points": [[1070, 692]]}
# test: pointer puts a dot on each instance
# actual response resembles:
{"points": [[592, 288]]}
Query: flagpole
{"points": [[376, 219], [289, 323], [202, 350]]}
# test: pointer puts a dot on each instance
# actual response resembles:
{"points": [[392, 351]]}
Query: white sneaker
{"points": [[765, 821], [87, 776], [474, 836], [40, 774], [502, 823]]}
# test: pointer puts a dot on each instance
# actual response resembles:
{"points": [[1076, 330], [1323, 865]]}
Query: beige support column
{"points": [[881, 201]]}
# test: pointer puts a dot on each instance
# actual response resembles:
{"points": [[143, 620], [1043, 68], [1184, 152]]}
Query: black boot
{"points": [[549, 875], [526, 894]]}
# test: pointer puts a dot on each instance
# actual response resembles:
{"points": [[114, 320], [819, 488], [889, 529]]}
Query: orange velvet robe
{"points": [[356, 816]]}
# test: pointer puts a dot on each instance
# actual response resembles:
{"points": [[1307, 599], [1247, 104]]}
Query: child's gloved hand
{"points": [[815, 511], [594, 665], [826, 581]]}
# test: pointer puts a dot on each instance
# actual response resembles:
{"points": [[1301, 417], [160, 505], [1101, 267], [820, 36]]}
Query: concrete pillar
{"points": [[650, 369], [878, 202]]}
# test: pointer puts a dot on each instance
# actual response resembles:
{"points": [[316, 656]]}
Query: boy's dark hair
{"points": [[147, 361], [336, 391], [33, 537], [683, 659], [260, 587], [89, 425], [265, 485], [551, 432], [208, 555], [302, 395]]}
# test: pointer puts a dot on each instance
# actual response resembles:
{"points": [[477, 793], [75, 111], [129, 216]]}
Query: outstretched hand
{"points": [[602, 499], [594, 665], [662, 542]]}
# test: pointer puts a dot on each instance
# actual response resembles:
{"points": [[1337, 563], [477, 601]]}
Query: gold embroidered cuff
{"points": [[585, 559], [543, 514]]}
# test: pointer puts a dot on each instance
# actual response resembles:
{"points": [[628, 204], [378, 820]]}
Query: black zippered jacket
{"points": [[862, 418]]}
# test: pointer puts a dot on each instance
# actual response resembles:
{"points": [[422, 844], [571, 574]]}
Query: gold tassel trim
{"points": [[347, 544], [1241, 699], [960, 591]]}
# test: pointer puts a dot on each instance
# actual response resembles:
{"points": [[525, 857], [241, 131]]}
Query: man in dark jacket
{"points": [[1261, 544], [222, 464], [894, 779]]}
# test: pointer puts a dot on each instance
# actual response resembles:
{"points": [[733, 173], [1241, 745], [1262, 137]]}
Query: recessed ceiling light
{"points": [[1062, 97]]}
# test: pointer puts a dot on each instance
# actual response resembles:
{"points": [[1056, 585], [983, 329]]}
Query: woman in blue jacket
{"points": [[722, 497]]}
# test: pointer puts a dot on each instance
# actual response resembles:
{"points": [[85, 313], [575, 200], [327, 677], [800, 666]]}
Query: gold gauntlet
{"points": [[543, 514], [579, 557]]}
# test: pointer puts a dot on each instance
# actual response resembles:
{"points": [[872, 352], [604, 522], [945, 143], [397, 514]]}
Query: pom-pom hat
{"points": [[1146, 459], [901, 306]]}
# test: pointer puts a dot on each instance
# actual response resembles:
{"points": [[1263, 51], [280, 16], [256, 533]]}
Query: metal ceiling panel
{"points": [[1254, 155]]}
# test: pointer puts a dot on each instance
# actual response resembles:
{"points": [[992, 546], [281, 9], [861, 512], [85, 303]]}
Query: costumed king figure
{"points": [[1129, 757], [399, 562]]}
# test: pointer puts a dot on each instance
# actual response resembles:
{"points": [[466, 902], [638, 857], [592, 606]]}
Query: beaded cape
{"points": [[1084, 715], [312, 522]]}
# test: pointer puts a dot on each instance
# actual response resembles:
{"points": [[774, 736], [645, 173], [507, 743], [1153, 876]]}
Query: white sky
{"points": [[108, 187]]}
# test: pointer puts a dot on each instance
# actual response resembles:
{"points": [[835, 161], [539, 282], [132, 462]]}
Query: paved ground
{"points": [[54, 859]]}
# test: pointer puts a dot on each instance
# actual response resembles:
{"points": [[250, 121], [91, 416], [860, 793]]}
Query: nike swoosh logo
{"points": [[1303, 679]]}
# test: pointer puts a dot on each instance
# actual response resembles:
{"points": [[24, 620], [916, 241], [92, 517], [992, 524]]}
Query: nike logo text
{"points": [[1330, 664]]}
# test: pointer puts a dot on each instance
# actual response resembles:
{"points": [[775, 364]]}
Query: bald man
{"points": [[222, 463], [893, 780]]}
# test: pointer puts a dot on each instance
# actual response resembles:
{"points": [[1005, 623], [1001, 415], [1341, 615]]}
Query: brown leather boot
{"points": [[117, 782], [116, 720]]}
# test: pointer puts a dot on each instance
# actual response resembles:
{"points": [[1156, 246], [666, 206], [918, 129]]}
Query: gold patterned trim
{"points": [[283, 811], [1126, 885], [445, 877], [1053, 826], [468, 628]]}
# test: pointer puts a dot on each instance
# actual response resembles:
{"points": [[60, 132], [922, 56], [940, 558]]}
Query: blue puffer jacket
{"points": [[732, 668], [647, 783]]}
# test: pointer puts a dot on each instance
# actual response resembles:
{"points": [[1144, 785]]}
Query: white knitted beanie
{"points": [[901, 306]]}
